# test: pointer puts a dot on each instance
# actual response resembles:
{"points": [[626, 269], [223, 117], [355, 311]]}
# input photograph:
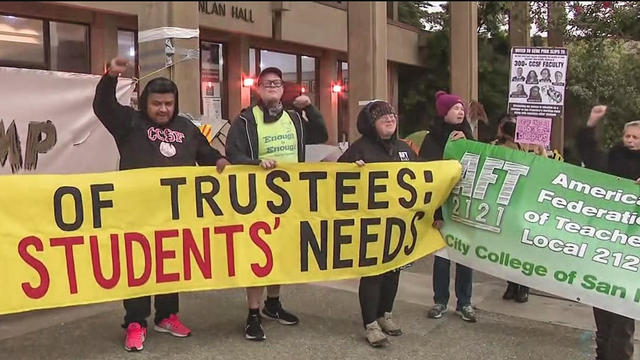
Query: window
{"points": [[212, 79], [252, 63], [308, 77], [285, 62], [22, 42], [343, 101], [44, 44], [69, 50], [299, 73], [127, 46]]}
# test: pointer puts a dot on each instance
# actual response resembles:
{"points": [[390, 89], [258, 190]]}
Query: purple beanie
{"points": [[445, 101]]}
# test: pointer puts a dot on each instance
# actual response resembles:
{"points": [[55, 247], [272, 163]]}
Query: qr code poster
{"points": [[537, 81], [533, 130]]}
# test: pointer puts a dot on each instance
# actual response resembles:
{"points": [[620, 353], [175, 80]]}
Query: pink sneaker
{"points": [[134, 337], [173, 326]]}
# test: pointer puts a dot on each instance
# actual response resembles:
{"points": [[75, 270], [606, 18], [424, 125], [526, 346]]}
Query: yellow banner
{"points": [[79, 239]]}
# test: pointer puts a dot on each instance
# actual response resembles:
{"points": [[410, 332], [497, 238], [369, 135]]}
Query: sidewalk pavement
{"points": [[330, 328]]}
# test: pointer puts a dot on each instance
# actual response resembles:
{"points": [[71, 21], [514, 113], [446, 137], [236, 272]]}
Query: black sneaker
{"points": [[522, 295], [511, 291], [253, 329], [276, 312]]}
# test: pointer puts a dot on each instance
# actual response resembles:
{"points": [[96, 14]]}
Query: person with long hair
{"points": [[451, 124]]}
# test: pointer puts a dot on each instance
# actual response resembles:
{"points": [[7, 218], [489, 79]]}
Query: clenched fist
{"points": [[597, 113], [117, 66], [302, 102]]}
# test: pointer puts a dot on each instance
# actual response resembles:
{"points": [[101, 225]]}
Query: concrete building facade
{"points": [[338, 53]]}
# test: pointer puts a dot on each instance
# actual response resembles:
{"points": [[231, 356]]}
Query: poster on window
{"points": [[537, 81], [212, 107]]}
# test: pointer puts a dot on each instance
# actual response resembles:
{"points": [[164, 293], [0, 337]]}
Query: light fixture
{"points": [[336, 88], [248, 82], [303, 90]]}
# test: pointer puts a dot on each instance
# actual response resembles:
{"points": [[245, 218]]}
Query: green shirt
{"points": [[276, 140]]}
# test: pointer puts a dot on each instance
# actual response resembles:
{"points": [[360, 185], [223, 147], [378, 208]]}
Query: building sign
{"points": [[537, 81], [220, 9]]}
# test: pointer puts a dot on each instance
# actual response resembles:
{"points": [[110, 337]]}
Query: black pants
{"points": [[614, 335], [377, 294], [138, 309]]}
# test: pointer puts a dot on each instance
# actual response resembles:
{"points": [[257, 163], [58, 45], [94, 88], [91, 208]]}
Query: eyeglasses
{"points": [[271, 83]]}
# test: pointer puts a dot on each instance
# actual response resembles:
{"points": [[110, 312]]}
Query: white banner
{"points": [[167, 32], [47, 124]]}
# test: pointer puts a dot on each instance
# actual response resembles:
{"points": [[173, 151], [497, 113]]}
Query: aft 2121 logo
{"points": [[480, 198]]}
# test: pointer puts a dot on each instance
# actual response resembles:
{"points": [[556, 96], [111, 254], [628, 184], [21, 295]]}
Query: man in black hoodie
{"points": [[378, 122], [265, 134], [614, 333], [451, 124], [152, 137]]}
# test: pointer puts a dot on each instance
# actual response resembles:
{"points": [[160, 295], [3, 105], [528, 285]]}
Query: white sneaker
{"points": [[389, 326], [374, 335]]}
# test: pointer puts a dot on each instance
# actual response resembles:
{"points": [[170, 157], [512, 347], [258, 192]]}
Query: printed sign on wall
{"points": [[537, 81]]}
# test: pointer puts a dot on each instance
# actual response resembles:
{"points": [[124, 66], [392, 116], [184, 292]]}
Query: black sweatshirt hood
{"points": [[160, 85]]}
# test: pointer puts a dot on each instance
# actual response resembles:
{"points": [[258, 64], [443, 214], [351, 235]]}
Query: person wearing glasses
{"points": [[265, 134]]}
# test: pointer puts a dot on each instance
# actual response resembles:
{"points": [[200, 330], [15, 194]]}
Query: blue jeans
{"points": [[441, 267]]}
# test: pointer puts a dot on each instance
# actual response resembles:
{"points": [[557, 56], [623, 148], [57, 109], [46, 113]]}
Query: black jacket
{"points": [[370, 148], [620, 161], [433, 144], [141, 142], [242, 139]]}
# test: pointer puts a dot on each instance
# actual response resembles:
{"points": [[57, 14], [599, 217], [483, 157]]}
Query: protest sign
{"points": [[549, 225], [537, 81], [532, 130], [47, 124], [79, 239]]}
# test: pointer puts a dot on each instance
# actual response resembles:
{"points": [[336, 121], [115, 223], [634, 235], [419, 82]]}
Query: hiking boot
{"points": [[388, 326], [276, 312], [467, 313], [375, 336], [253, 330], [134, 337], [522, 295], [173, 326], [437, 311], [511, 291]]}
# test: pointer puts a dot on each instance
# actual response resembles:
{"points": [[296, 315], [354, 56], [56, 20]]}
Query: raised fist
{"points": [[597, 112], [302, 102], [117, 66]]}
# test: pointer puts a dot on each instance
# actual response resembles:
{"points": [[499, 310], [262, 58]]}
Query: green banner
{"points": [[553, 226]]}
